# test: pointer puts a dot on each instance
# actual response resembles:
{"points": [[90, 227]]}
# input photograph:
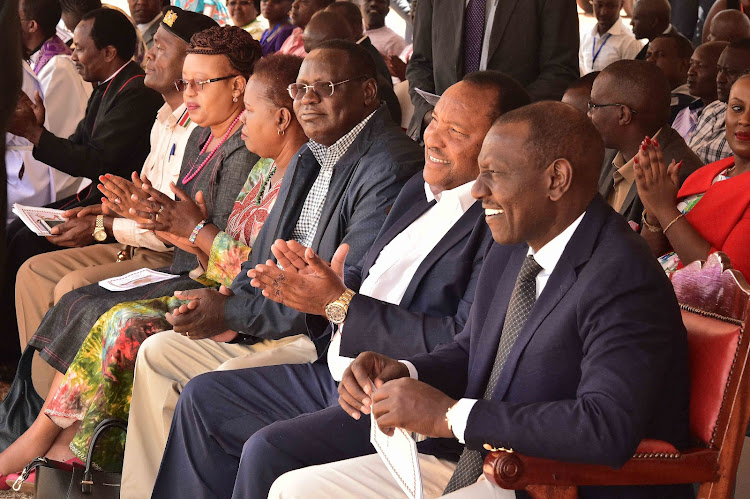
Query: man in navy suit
{"points": [[412, 290], [577, 356]]}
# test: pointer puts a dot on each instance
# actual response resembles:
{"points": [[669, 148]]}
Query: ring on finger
{"points": [[161, 208], [156, 217], [187, 334], [118, 200]]}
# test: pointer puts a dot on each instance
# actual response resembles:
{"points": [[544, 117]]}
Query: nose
{"points": [[721, 76], [433, 136], [479, 190], [310, 96]]}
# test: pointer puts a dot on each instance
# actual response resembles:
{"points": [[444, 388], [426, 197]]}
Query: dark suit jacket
{"points": [[673, 146], [534, 41], [385, 84], [642, 54], [437, 301], [113, 136], [364, 186], [600, 363]]}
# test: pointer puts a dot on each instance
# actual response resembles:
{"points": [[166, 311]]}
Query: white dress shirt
{"points": [[393, 270], [547, 257], [599, 51], [169, 135]]}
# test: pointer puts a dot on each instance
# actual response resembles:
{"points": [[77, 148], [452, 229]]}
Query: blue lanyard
{"points": [[596, 54]]}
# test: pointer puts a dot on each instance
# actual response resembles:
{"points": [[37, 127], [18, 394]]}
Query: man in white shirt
{"points": [[387, 41], [403, 303], [146, 14], [561, 358], [608, 41], [43, 279]]}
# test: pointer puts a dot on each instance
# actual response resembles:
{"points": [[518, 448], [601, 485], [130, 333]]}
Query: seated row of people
{"points": [[354, 195]]}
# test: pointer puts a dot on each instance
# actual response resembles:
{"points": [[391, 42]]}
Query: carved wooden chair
{"points": [[715, 303]]}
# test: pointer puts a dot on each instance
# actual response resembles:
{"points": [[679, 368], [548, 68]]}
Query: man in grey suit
{"points": [[146, 14], [338, 189], [534, 41], [630, 102]]}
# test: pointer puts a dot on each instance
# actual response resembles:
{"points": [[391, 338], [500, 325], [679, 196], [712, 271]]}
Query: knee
{"points": [[69, 282], [290, 484], [153, 348], [198, 392]]}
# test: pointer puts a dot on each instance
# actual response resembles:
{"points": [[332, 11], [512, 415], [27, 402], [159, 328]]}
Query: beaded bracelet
{"points": [[650, 227], [194, 234]]}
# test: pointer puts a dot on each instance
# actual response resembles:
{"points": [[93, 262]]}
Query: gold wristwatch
{"points": [[99, 233], [336, 310]]}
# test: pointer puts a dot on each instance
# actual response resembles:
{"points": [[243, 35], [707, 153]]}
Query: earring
{"points": [[234, 99], [280, 132]]}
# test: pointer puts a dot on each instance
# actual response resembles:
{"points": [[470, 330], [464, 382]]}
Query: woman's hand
{"points": [[164, 214], [181, 242], [123, 194], [657, 183]]}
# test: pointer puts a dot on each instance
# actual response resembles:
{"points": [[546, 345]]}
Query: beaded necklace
{"points": [[196, 170], [263, 188]]}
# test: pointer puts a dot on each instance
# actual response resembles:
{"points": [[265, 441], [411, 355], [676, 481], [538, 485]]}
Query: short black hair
{"points": [[112, 27], [586, 81], [510, 94], [80, 7], [350, 12], [359, 59], [46, 13], [684, 47], [558, 130], [643, 87]]}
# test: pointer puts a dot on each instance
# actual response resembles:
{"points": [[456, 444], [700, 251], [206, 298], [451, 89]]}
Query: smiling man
{"points": [[412, 291], [574, 348], [339, 188]]}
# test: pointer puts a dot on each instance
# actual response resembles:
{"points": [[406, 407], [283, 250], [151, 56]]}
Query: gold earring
{"points": [[280, 132]]}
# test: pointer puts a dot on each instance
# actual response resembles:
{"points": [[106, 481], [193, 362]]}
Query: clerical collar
{"points": [[115, 73]]}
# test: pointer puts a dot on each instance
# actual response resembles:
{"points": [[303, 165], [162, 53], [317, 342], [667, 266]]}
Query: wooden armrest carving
{"points": [[516, 471]]}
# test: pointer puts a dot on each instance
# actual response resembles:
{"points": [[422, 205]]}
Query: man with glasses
{"points": [[709, 140], [44, 279], [630, 101], [338, 189]]}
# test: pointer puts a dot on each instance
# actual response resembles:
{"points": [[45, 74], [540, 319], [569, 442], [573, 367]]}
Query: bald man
{"points": [[729, 26], [643, 96], [574, 350], [651, 19], [324, 26], [578, 93]]}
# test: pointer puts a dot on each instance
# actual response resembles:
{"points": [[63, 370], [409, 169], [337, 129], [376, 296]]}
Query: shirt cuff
{"points": [[126, 231], [458, 416], [413, 374]]}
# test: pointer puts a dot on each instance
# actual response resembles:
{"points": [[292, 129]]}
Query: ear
{"points": [[560, 177], [110, 52], [283, 119], [624, 116], [370, 87], [33, 26], [238, 87]]}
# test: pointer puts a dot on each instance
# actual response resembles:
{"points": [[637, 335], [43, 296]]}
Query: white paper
{"points": [[432, 99], [135, 279], [399, 454], [34, 217]]}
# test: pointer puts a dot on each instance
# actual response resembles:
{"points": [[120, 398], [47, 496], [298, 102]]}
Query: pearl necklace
{"points": [[195, 171]]}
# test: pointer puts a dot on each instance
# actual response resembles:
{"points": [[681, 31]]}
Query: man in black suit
{"points": [[574, 349], [534, 41], [630, 100], [651, 19], [412, 291]]}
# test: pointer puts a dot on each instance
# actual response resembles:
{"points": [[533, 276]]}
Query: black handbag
{"points": [[56, 482], [21, 405]]}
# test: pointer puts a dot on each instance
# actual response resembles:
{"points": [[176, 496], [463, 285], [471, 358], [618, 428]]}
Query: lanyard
{"points": [[593, 47]]}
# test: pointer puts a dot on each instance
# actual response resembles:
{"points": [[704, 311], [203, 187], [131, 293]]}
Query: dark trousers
{"points": [[235, 432]]}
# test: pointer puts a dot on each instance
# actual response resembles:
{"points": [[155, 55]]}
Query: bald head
{"points": [[324, 26], [351, 14], [641, 86], [729, 26], [650, 18]]}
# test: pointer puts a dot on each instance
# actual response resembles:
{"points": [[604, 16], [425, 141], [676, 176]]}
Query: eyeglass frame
{"points": [[592, 105], [199, 82], [312, 86]]}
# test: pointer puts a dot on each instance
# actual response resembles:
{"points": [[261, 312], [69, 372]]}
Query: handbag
{"points": [[56, 482], [21, 405]]}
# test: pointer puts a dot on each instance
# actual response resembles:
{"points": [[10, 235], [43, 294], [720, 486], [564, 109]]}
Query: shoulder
{"points": [[389, 144], [701, 179]]}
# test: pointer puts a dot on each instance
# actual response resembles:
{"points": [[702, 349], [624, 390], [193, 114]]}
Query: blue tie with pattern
{"points": [[473, 34]]}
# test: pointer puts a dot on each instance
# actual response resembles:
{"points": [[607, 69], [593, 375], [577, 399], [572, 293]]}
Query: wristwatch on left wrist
{"points": [[337, 309], [99, 233]]}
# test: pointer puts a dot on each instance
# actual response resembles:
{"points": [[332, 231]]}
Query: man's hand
{"points": [[291, 256], [305, 292], [203, 316], [28, 118], [355, 390], [76, 232], [412, 405]]}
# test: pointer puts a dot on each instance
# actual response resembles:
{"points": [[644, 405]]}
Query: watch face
{"points": [[100, 235], [336, 313]]}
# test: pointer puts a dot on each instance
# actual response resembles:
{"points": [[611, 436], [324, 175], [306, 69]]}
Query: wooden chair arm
{"points": [[517, 472]]}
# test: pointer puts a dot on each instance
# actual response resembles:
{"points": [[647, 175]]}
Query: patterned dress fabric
{"points": [[99, 382]]}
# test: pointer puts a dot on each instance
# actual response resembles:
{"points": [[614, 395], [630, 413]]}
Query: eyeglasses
{"points": [[197, 85], [321, 88], [593, 106]]}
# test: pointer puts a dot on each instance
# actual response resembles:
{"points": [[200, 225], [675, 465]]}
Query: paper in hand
{"points": [[399, 454], [39, 220], [135, 279], [432, 99]]}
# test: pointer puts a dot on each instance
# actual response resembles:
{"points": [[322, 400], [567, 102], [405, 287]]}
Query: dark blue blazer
{"points": [[437, 301], [600, 364]]}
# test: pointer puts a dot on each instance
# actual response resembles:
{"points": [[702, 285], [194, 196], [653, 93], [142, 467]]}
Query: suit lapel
{"points": [[455, 235], [627, 203], [502, 18], [606, 180]]}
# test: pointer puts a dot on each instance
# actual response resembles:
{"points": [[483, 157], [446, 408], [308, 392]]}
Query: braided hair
{"points": [[240, 48]]}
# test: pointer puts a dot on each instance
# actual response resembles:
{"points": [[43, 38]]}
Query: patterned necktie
{"points": [[469, 467], [473, 34]]}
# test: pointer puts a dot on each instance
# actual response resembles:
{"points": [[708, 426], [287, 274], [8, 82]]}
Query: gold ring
{"points": [[161, 209], [157, 217]]}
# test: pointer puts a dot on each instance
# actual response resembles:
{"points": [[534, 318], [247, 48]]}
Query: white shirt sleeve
{"points": [[458, 416], [126, 231]]}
